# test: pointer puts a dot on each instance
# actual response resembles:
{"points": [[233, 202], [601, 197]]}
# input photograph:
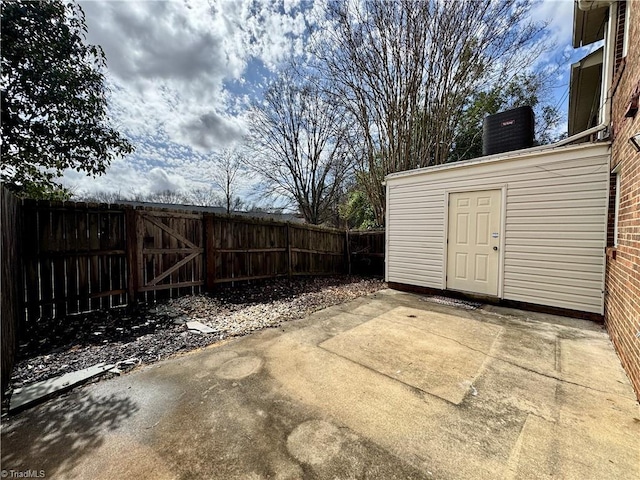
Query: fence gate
{"points": [[169, 257]]}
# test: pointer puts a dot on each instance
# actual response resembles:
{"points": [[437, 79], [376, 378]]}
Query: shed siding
{"points": [[555, 225]]}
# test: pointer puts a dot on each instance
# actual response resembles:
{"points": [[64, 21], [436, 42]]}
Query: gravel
{"points": [[147, 334]]}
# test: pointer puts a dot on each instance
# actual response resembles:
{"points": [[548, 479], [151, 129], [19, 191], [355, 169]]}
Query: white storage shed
{"points": [[528, 226]]}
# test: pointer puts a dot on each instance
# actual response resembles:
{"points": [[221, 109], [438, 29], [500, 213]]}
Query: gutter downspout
{"points": [[578, 136], [609, 60]]}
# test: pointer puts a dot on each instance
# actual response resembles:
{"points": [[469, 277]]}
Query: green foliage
{"points": [[358, 212], [522, 90], [43, 192], [54, 106]]}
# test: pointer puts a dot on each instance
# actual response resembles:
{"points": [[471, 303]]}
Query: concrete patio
{"points": [[386, 386]]}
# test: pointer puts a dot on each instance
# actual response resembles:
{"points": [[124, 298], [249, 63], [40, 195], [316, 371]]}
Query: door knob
{"points": [[495, 248]]}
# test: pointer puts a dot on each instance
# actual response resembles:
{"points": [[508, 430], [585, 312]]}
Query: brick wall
{"points": [[622, 306]]}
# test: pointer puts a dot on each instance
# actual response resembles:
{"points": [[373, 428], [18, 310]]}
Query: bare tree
{"points": [[404, 70], [101, 197], [166, 196], [227, 168], [204, 197], [301, 146]]}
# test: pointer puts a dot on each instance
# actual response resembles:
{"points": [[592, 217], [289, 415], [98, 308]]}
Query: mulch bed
{"points": [[154, 332]]}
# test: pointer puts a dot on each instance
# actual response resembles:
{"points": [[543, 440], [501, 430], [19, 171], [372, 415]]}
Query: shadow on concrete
{"points": [[54, 437]]}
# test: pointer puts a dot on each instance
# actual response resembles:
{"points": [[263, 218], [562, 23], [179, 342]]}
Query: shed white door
{"points": [[473, 255]]}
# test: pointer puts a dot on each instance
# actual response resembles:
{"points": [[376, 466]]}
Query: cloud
{"points": [[558, 14], [161, 40], [211, 130], [160, 181], [181, 75]]}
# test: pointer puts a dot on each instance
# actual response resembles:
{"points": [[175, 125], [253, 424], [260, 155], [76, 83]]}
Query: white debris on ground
{"points": [[157, 332], [453, 302], [239, 319]]}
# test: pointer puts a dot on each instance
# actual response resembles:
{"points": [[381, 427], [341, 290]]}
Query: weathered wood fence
{"points": [[79, 257], [63, 258], [366, 252], [10, 280]]}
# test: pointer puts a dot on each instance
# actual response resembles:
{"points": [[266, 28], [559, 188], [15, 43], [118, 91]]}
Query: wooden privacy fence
{"points": [[366, 252], [74, 257], [240, 248], [10, 280], [79, 257], [165, 254]]}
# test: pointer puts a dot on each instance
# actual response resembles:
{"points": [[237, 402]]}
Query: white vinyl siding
{"points": [[555, 225]]}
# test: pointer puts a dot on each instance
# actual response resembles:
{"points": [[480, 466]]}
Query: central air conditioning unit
{"points": [[508, 131]]}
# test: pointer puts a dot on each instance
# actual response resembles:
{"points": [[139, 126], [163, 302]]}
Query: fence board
{"points": [[11, 284]]}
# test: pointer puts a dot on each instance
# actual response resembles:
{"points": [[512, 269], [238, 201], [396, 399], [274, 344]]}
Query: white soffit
{"points": [[588, 26]]}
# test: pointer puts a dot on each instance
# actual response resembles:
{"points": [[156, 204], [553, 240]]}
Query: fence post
{"points": [[348, 250], [209, 251], [289, 266], [131, 245]]}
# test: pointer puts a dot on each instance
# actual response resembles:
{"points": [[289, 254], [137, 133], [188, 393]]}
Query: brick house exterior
{"points": [[622, 300]]}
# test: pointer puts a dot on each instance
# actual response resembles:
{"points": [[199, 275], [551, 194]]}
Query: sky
{"points": [[183, 73]]}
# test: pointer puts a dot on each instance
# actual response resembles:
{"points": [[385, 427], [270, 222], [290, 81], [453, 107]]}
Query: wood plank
{"points": [[317, 252], [131, 247], [152, 288], [209, 252], [242, 279], [59, 287], [347, 248], [11, 282], [94, 281], [289, 258], [185, 214], [198, 264], [170, 242], [64, 206], [105, 281], [167, 251], [74, 253], [108, 293], [94, 219], [168, 272], [116, 240], [83, 283], [72, 285], [251, 250], [46, 287], [162, 226], [30, 248]]}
